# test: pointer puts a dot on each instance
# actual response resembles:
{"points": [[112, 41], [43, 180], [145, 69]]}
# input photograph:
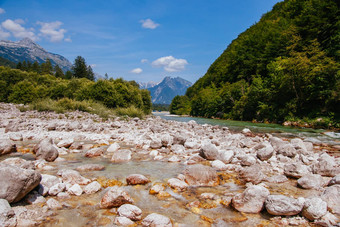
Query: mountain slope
{"points": [[166, 90], [284, 66], [27, 50]]}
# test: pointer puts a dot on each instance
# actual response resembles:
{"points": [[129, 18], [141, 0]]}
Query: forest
{"points": [[286, 67]]}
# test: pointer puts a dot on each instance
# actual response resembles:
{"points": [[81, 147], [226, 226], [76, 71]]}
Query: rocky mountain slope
{"points": [[27, 50]]}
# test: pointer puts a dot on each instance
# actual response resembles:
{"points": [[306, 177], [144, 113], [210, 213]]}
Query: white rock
{"points": [[55, 189], [93, 187], [53, 204], [314, 208], [174, 158], [219, 165], [177, 184], [130, 211], [113, 148], [65, 143], [75, 190], [156, 220]]}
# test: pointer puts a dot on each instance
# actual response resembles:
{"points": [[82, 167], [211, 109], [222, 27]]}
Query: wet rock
{"points": [[75, 190], [156, 220], [314, 208], [123, 221], [295, 170], [210, 196], [66, 143], [73, 177], [332, 196], [201, 175], [155, 189], [93, 187], [251, 200], [277, 179], [7, 215], [219, 165], [7, 146], [265, 153], [334, 180], [16, 137], [115, 197], [130, 211], [326, 166], [123, 155], [209, 152], [94, 152], [311, 181], [12, 126], [53, 204], [226, 156], [113, 148], [56, 189], [252, 174], [134, 179], [17, 182], [46, 150], [90, 167], [283, 205], [177, 184]]}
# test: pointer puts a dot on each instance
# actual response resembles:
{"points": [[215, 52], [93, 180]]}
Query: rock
{"points": [[332, 197], [156, 220], [156, 143], [56, 189], [177, 184], [314, 208], [49, 180], [277, 179], [326, 166], [65, 143], [73, 177], [327, 220], [226, 156], [94, 152], [219, 165], [12, 126], [7, 215], [191, 145], [166, 140], [295, 170], [130, 211], [52, 126], [210, 196], [46, 150], [287, 150], [115, 197], [93, 187], [134, 179], [19, 162], [75, 190], [276, 142], [283, 205], [174, 158], [247, 160], [209, 152], [299, 145], [311, 181], [53, 204], [251, 200], [179, 139], [265, 153], [155, 189], [123, 221], [34, 197], [252, 174], [17, 182], [16, 137], [7, 146], [334, 180], [76, 145], [64, 195], [123, 155], [113, 148], [90, 167], [200, 175], [178, 149]]}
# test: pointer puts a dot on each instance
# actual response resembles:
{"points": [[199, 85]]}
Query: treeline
{"points": [[285, 67], [18, 86]]}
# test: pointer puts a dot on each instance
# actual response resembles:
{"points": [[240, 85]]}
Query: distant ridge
{"points": [[27, 50]]}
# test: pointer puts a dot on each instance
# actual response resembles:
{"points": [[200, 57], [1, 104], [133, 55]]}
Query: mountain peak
{"points": [[27, 42]]}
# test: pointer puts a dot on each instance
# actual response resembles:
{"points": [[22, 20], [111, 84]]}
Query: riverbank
{"points": [[172, 173]]}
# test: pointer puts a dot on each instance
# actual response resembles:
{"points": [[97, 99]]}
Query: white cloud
{"points": [[137, 70], [68, 40], [19, 21], [144, 60], [170, 63], [2, 11], [17, 30], [52, 30], [4, 34], [148, 23]]}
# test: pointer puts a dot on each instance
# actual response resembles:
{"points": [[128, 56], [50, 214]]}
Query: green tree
{"points": [[79, 68], [58, 72]]}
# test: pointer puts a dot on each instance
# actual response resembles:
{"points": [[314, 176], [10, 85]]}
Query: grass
{"points": [[66, 105]]}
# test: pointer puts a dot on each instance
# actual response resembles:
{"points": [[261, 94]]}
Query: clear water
{"points": [[312, 135]]}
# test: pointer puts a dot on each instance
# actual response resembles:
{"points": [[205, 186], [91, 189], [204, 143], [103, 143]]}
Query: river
{"points": [[316, 136]]}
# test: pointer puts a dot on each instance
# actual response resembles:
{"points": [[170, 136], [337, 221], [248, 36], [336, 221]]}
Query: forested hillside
{"points": [[286, 66]]}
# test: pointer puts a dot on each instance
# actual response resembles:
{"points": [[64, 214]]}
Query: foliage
{"points": [[286, 65], [81, 70], [160, 107], [130, 111], [180, 105]]}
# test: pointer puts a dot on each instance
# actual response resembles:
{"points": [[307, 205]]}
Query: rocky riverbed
{"points": [[76, 169]]}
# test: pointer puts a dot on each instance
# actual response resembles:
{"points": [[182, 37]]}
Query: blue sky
{"points": [[142, 40]]}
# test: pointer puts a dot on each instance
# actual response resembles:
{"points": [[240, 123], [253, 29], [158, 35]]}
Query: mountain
{"points": [[146, 85], [166, 90], [284, 67], [27, 50]]}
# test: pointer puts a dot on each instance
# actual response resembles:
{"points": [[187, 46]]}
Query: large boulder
{"points": [[19, 162], [326, 166], [283, 205], [7, 215], [115, 197], [130, 211], [252, 174], [265, 152], [296, 170], [17, 182], [251, 200], [123, 155], [332, 196], [134, 179], [314, 208], [7, 146], [156, 220], [46, 150], [311, 181], [200, 175], [209, 152]]}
